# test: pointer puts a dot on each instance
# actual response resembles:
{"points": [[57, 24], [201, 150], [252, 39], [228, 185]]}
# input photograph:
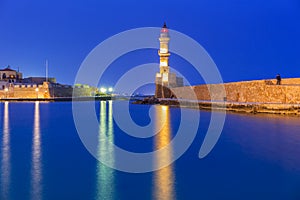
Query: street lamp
{"points": [[37, 92], [103, 90], [110, 89]]}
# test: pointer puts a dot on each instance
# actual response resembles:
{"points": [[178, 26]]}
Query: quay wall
{"points": [[260, 91], [26, 91], [45, 91]]}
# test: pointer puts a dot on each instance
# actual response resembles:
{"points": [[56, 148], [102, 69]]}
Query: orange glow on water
{"points": [[164, 178]]}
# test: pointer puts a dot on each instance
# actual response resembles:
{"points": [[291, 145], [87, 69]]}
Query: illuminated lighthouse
{"points": [[165, 79]]}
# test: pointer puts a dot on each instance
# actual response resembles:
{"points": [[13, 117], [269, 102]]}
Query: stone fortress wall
{"points": [[261, 91], [46, 90]]}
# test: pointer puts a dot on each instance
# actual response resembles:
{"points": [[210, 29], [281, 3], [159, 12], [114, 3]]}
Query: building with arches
{"points": [[10, 75]]}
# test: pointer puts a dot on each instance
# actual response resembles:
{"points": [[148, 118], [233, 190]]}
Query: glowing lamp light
{"points": [[36, 89], [6, 89], [110, 89], [103, 90]]}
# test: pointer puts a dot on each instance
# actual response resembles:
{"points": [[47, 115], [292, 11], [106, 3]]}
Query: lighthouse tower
{"points": [[165, 79], [163, 52]]}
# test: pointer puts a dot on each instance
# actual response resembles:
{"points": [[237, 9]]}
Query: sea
{"points": [[42, 155]]}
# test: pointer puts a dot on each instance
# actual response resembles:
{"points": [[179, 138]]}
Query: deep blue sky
{"points": [[246, 39]]}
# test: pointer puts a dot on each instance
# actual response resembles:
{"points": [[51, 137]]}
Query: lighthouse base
{"points": [[163, 91]]}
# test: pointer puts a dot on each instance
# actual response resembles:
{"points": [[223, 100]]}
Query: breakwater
{"points": [[254, 108], [259, 91]]}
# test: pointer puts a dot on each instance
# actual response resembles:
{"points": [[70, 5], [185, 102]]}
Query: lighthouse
{"points": [[165, 79], [163, 52]]}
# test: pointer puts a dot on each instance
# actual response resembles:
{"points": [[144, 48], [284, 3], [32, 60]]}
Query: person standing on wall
{"points": [[278, 78]]}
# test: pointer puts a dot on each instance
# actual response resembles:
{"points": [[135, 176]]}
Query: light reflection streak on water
{"points": [[105, 175], [163, 178], [5, 162], [36, 170]]}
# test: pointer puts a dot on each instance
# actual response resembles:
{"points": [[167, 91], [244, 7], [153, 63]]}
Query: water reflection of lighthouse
{"points": [[164, 178]]}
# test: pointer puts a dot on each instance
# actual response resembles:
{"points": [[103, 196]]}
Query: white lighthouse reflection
{"points": [[163, 178], [5, 162], [105, 175], [36, 169]]}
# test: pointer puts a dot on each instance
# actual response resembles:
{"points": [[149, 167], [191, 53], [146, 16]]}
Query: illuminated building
{"points": [[10, 75], [165, 79]]}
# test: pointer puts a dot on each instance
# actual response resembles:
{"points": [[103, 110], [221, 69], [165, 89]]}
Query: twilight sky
{"points": [[250, 39]]}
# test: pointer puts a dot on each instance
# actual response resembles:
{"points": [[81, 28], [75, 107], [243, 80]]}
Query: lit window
{"points": [[163, 63], [165, 77], [163, 50]]}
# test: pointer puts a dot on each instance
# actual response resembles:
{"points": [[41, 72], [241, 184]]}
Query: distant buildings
{"points": [[14, 86], [39, 80], [9, 75]]}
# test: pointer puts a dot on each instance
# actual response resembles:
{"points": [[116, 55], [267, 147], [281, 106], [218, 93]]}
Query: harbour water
{"points": [[42, 156]]}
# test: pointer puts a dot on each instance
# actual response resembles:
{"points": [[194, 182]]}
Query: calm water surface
{"points": [[42, 157]]}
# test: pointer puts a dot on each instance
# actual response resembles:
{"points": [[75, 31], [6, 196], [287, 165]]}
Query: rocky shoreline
{"points": [[254, 108]]}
